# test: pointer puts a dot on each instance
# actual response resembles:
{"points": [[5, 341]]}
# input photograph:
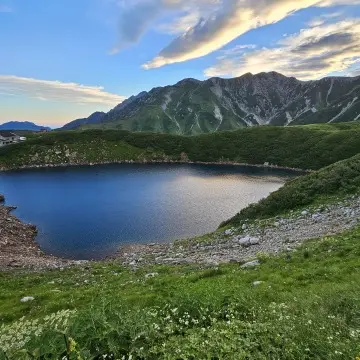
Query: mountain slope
{"points": [[193, 107], [305, 147], [92, 119], [22, 125]]}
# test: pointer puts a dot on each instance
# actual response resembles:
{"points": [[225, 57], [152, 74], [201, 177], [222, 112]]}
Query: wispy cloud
{"points": [[5, 9], [57, 91], [312, 53], [136, 16], [322, 19], [181, 24], [228, 20]]}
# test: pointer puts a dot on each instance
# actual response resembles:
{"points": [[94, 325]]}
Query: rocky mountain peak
{"points": [[192, 106]]}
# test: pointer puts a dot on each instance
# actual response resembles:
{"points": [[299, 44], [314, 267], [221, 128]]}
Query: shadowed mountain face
{"points": [[94, 118], [22, 125], [193, 107]]}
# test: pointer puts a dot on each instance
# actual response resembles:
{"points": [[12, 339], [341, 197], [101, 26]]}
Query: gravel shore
{"points": [[18, 248], [243, 243]]}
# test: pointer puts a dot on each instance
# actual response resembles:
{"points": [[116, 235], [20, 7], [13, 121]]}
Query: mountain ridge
{"points": [[193, 106], [22, 125]]}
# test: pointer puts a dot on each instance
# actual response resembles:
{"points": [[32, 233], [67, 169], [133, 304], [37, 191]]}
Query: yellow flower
{"points": [[72, 345]]}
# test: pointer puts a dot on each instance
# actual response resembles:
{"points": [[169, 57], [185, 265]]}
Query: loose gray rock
{"points": [[150, 275], [254, 241], [257, 283], [248, 241], [251, 264], [27, 298]]}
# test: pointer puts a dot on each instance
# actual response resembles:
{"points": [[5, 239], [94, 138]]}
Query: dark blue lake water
{"points": [[89, 212]]}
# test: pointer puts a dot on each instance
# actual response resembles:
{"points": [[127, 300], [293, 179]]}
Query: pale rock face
{"points": [[192, 107]]}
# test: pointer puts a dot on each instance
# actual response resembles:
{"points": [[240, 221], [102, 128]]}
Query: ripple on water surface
{"points": [[88, 212]]}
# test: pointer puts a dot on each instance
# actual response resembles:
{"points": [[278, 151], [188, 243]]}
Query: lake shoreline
{"points": [[144, 162], [19, 248]]}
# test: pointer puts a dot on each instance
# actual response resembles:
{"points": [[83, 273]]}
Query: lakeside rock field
{"points": [[18, 248], [240, 245]]}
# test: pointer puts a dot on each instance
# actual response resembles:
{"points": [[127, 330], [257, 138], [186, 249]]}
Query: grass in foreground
{"points": [[306, 307]]}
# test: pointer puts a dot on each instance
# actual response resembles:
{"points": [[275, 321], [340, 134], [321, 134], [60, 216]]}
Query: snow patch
{"points": [[167, 101], [288, 118], [259, 120], [164, 106], [329, 91], [218, 115], [313, 109], [217, 90], [344, 109]]}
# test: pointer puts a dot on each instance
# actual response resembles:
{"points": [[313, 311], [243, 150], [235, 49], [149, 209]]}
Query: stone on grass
{"points": [[151, 275], [251, 264], [257, 283], [27, 298]]}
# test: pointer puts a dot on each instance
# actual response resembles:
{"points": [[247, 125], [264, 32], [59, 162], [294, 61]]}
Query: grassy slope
{"points": [[339, 179], [306, 308], [310, 147]]}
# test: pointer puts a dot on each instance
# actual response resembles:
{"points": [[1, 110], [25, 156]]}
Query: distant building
{"points": [[8, 137]]}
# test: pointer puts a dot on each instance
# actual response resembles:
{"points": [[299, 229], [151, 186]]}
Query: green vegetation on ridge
{"points": [[306, 147], [340, 179]]}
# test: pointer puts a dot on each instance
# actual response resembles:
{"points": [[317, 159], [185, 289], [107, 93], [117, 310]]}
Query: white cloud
{"points": [[312, 53], [136, 16], [57, 91], [230, 19], [238, 49], [182, 23], [322, 19]]}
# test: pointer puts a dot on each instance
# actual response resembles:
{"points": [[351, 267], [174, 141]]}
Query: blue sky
{"points": [[62, 60]]}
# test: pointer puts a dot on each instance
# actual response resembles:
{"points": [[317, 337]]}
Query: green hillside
{"points": [[296, 305], [306, 147], [193, 107]]}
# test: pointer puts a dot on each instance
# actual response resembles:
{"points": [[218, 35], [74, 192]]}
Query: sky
{"points": [[63, 60]]}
